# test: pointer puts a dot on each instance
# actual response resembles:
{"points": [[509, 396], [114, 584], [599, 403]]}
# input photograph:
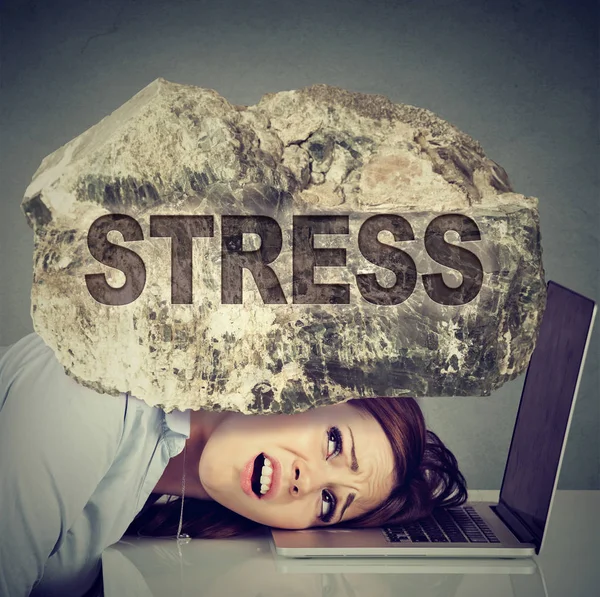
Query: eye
{"points": [[334, 444], [328, 506], [334, 447]]}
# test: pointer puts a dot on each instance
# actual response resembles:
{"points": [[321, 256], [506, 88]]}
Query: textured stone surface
{"points": [[177, 149]]}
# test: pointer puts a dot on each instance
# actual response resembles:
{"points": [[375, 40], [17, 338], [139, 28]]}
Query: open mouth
{"points": [[262, 476]]}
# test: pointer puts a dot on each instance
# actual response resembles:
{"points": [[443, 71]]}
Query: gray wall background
{"points": [[519, 76]]}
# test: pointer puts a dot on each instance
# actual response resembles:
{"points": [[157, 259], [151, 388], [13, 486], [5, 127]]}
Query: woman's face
{"points": [[321, 460]]}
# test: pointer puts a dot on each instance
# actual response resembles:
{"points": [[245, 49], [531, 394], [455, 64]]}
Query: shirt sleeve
{"points": [[57, 441]]}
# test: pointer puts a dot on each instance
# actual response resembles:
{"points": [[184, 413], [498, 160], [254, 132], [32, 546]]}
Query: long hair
{"points": [[426, 477]]}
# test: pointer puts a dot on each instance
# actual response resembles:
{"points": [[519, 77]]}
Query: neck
{"points": [[202, 424]]}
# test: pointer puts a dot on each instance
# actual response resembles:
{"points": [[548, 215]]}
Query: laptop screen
{"points": [[545, 408]]}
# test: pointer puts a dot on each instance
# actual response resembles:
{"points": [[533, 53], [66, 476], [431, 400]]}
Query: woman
{"points": [[77, 467], [404, 471]]}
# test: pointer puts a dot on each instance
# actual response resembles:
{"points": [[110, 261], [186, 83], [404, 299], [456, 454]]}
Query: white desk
{"points": [[569, 566]]}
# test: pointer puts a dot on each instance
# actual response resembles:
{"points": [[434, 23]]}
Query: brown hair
{"points": [[427, 477]]}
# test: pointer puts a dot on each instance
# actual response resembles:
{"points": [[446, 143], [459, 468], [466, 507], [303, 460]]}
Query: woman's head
{"points": [[404, 470], [321, 459]]}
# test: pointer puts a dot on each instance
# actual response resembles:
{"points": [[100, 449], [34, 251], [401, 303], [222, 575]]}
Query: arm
{"points": [[57, 441]]}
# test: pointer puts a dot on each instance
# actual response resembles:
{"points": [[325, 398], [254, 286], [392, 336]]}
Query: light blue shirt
{"points": [[76, 467]]}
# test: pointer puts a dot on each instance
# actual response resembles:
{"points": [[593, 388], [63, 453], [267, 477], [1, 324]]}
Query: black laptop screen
{"points": [[545, 407]]}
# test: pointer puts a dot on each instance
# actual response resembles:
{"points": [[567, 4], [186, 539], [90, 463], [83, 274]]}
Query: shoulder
{"points": [[31, 377]]}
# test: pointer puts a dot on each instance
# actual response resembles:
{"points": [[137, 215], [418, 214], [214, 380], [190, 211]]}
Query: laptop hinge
{"points": [[518, 529]]}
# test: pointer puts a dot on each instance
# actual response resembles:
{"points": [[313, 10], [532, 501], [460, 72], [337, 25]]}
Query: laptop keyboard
{"points": [[449, 525]]}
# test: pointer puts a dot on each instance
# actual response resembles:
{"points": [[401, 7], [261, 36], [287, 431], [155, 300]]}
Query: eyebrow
{"points": [[349, 500], [354, 468]]}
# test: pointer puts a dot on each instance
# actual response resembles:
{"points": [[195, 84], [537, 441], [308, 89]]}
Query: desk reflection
{"points": [[250, 567]]}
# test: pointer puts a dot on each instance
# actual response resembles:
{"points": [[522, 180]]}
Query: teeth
{"points": [[266, 476]]}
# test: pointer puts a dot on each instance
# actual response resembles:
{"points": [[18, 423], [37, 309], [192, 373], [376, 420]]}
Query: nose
{"points": [[304, 480]]}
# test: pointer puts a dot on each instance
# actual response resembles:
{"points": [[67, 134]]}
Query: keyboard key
{"points": [[457, 539], [394, 539]]}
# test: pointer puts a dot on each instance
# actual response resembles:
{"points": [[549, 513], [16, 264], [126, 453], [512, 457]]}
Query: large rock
{"points": [[182, 150]]}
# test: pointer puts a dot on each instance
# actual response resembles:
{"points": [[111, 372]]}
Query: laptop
{"points": [[514, 527]]}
